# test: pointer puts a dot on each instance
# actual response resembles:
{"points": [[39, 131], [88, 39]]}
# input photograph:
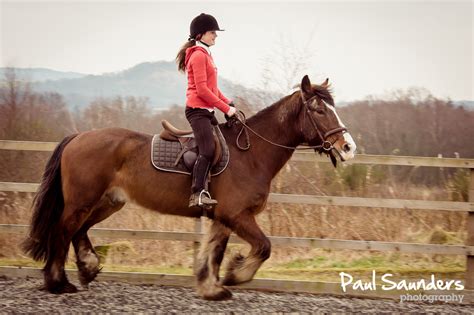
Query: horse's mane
{"points": [[323, 92], [270, 110]]}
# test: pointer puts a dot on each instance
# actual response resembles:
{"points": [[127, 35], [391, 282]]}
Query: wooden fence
{"points": [[305, 286]]}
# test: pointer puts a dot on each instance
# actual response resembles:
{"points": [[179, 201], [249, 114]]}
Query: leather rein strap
{"points": [[326, 146]]}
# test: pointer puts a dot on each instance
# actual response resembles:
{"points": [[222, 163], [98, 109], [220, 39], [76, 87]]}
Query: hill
{"points": [[41, 74], [159, 82]]}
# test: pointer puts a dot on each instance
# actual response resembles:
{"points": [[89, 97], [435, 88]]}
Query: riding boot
{"points": [[199, 196]]}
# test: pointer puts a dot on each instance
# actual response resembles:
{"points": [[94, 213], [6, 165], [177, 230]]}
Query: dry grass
{"points": [[285, 262]]}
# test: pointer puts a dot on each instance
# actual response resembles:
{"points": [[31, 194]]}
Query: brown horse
{"points": [[93, 174]]}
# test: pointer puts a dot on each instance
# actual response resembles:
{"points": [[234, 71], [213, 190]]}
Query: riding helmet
{"points": [[203, 23]]}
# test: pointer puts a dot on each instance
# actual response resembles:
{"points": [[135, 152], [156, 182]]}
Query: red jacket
{"points": [[202, 89]]}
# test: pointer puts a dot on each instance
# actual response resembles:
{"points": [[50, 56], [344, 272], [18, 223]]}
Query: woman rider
{"points": [[202, 97]]}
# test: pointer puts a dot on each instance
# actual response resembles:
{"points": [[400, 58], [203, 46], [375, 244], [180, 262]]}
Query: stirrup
{"points": [[208, 195], [196, 200]]}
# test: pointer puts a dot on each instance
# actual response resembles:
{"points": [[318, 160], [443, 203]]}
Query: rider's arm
{"points": [[198, 62]]}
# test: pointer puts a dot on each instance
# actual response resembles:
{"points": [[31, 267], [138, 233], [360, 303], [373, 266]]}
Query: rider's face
{"points": [[209, 37]]}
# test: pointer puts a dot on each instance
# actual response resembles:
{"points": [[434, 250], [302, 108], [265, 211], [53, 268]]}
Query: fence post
{"points": [[470, 233], [198, 228]]}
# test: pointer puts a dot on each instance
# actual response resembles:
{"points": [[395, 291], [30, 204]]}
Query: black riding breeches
{"points": [[202, 122]]}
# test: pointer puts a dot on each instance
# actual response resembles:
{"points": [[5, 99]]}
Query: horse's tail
{"points": [[48, 206]]}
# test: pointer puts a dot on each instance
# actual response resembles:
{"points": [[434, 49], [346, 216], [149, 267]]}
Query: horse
{"points": [[92, 174]]}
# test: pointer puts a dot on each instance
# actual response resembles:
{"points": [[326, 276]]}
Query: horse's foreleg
{"points": [[87, 260], [210, 259], [242, 269]]}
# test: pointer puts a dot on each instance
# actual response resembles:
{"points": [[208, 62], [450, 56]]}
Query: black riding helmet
{"points": [[201, 24]]}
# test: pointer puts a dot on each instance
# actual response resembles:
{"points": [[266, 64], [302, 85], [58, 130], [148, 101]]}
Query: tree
{"points": [[27, 115], [129, 112], [14, 94]]}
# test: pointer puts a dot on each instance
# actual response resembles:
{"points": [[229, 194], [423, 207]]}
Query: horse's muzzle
{"points": [[347, 150]]}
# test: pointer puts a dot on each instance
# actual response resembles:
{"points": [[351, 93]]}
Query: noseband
{"points": [[327, 145]]}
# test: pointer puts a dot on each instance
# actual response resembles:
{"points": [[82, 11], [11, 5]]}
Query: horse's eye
{"points": [[319, 110]]}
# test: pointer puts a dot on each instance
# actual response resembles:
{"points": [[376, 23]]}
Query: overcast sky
{"points": [[364, 47]]}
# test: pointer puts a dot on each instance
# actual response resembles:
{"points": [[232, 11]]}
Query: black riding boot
{"points": [[199, 196]]}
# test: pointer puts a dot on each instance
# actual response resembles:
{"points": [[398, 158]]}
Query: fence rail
{"points": [[276, 240], [298, 156], [317, 200], [466, 250]]}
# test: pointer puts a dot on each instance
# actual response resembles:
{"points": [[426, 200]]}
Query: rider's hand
{"points": [[230, 116], [231, 112], [239, 116]]}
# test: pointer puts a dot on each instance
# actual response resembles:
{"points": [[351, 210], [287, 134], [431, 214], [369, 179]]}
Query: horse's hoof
{"points": [[223, 294], [69, 288], [229, 280], [235, 264], [66, 288], [87, 275]]}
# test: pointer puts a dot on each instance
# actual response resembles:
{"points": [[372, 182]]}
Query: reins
{"points": [[325, 146], [246, 127]]}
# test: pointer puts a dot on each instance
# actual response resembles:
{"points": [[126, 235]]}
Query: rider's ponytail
{"points": [[181, 56]]}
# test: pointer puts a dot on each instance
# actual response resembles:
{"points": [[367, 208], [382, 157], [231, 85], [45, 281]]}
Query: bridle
{"points": [[326, 146]]}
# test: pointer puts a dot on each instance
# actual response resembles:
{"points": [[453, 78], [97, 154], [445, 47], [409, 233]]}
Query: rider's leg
{"points": [[201, 123]]}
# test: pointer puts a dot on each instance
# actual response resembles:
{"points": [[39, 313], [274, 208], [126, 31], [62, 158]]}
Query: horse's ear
{"points": [[325, 83], [306, 85]]}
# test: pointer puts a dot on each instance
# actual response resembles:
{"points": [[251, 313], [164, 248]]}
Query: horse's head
{"points": [[320, 123]]}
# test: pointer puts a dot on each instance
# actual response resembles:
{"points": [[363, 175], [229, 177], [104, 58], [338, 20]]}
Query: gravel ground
{"points": [[23, 296]]}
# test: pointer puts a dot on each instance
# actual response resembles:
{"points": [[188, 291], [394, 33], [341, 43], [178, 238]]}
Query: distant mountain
{"points": [[466, 104], [159, 81], [41, 74]]}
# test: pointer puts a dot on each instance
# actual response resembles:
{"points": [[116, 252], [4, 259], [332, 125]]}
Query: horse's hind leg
{"points": [[210, 259], [87, 260], [54, 274], [242, 269]]}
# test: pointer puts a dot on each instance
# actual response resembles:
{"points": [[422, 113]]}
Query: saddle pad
{"points": [[164, 154]]}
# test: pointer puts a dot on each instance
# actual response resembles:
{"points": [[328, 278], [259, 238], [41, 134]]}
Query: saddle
{"points": [[175, 150]]}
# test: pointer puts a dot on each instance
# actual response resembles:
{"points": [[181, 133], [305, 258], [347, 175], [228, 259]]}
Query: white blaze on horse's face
{"points": [[344, 146]]}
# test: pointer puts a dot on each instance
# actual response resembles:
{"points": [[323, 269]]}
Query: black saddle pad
{"points": [[164, 154]]}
